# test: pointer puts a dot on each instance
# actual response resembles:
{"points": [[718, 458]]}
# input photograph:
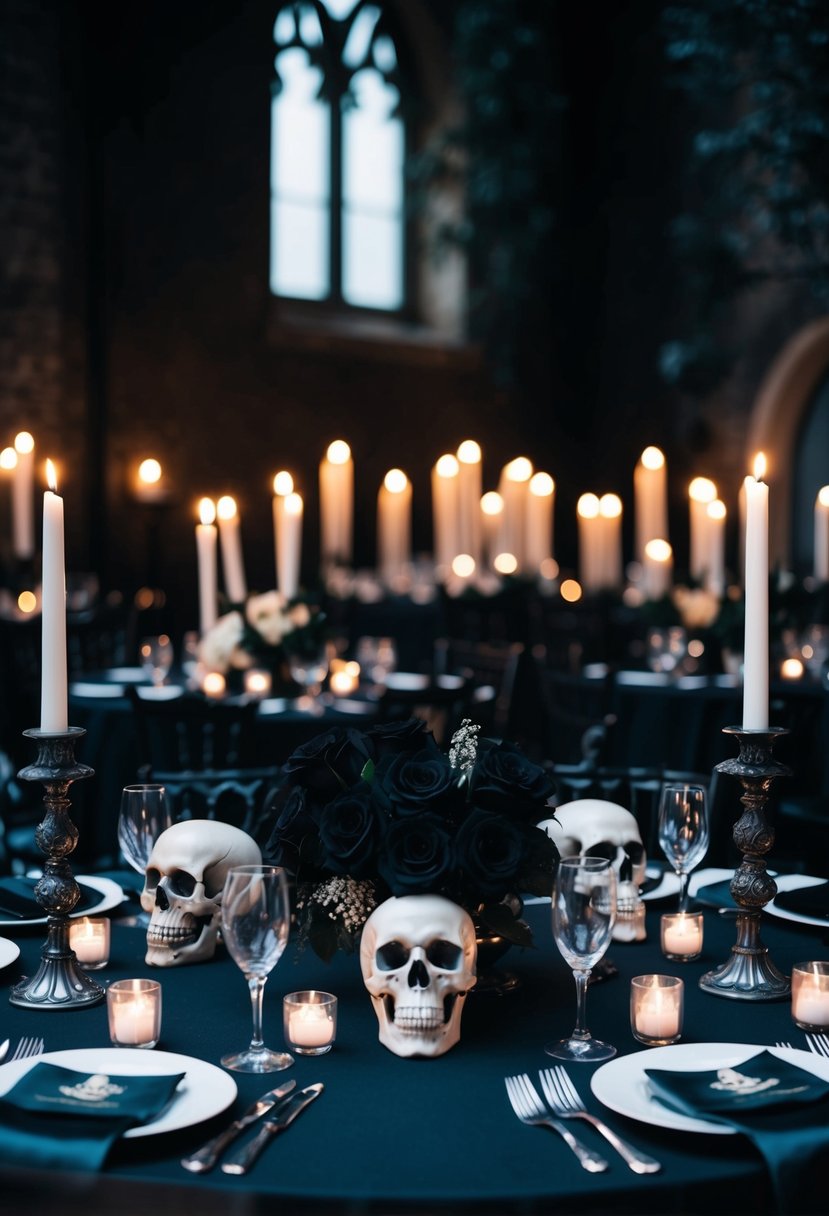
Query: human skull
{"points": [[417, 955], [183, 885]]}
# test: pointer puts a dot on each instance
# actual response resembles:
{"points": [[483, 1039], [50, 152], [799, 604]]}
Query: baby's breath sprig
{"points": [[346, 900], [463, 747]]}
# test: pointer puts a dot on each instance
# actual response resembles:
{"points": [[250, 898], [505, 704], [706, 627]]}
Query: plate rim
{"points": [[799, 882], [135, 1063], [112, 894], [684, 1054], [14, 951]]}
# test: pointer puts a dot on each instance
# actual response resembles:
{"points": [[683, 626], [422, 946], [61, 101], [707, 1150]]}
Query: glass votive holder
{"points": [[134, 1012], [657, 1005], [810, 996], [89, 938], [310, 1022], [681, 936], [258, 682]]}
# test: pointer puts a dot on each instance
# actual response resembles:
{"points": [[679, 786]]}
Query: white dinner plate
{"points": [[621, 1084], [203, 1092], [406, 681], [111, 896], [81, 689], [125, 675], [794, 882], [9, 951], [160, 692]]}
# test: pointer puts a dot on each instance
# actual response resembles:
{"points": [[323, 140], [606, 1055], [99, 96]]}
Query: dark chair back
{"points": [[191, 733], [238, 796]]}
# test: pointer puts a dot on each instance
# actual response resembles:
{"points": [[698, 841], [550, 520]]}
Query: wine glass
{"points": [[308, 665], [144, 815], [584, 911], [256, 916], [683, 831], [156, 655]]}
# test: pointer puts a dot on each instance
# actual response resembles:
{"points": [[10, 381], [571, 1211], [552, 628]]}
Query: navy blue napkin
{"points": [[806, 901], [782, 1109], [17, 899], [59, 1118]]}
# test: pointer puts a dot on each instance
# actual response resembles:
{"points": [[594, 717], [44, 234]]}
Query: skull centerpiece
{"points": [[183, 885], [417, 955]]}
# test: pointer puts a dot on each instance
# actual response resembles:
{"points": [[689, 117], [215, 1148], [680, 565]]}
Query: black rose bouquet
{"points": [[360, 816]]}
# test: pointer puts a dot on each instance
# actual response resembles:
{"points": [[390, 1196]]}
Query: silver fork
{"points": [[818, 1043], [530, 1109], [28, 1047], [565, 1101], [782, 1044]]}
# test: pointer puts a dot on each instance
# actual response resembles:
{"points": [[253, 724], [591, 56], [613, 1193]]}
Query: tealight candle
{"points": [[343, 677], [214, 684], [89, 938], [656, 1009], [810, 995], [134, 1012], [257, 682], [310, 1022], [681, 936]]}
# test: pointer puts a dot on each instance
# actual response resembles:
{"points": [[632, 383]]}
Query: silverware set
{"points": [[282, 1103], [817, 1043], [564, 1104], [25, 1048]]}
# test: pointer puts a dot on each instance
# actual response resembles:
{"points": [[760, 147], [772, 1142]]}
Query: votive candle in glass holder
{"points": [[657, 1004], [214, 684], [810, 996], [681, 936], [89, 938], [258, 682], [310, 1022], [134, 1011]]}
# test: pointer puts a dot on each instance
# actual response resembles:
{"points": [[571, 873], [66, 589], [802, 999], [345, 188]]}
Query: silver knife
{"points": [[206, 1157], [241, 1161], [4, 1047]]}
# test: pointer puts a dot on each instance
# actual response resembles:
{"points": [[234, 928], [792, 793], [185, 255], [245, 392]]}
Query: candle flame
{"points": [[226, 507], [588, 506], [27, 601], [469, 452], [51, 476], [520, 469], [395, 481], [571, 591], [24, 443], [652, 458], [716, 509], [339, 452], [463, 565], [8, 458], [658, 550], [492, 503], [447, 466], [283, 483], [702, 489], [149, 472], [760, 466], [506, 563], [610, 506], [293, 504], [542, 485], [823, 496], [207, 511]]}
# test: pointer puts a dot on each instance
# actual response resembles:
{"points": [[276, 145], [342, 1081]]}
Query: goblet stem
{"points": [[684, 879], [256, 984], [581, 978]]}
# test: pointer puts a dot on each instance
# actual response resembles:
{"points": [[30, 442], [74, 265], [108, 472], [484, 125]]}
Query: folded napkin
{"points": [[716, 895], [806, 901], [60, 1118], [782, 1109], [17, 899]]}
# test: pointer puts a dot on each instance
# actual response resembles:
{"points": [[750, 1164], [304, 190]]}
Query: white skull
{"points": [[418, 955], [183, 885], [591, 825]]}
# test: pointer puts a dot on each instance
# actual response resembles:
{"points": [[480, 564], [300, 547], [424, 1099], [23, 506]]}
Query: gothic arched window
{"points": [[338, 147]]}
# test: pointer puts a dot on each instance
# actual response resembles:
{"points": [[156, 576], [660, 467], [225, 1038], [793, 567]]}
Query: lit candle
{"points": [[756, 646], [701, 492], [492, 513], [343, 677], [539, 531], [681, 935], [53, 695], [310, 1026], [336, 503], [792, 669], [149, 484], [206, 539], [134, 1011], [715, 569], [257, 682], [469, 499], [590, 549], [656, 1008], [650, 500], [90, 940], [23, 519], [445, 480], [289, 546], [810, 995], [657, 569], [821, 561], [213, 684], [394, 524], [610, 515], [513, 488], [231, 542], [310, 1021]]}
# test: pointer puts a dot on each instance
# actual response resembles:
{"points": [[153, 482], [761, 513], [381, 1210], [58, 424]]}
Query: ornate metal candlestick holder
{"points": [[59, 982], [749, 974]]}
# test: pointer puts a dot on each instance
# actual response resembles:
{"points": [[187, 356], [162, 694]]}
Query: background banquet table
{"points": [[397, 1135]]}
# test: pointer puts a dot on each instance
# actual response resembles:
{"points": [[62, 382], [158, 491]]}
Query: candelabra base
{"points": [[59, 982], [749, 974]]}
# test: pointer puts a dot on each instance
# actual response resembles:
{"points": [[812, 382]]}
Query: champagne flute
{"points": [[156, 655], [683, 831], [143, 816], [256, 917], [584, 911]]}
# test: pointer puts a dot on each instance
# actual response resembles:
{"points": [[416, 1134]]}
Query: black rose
{"points": [[417, 855], [294, 836], [328, 763], [392, 738], [490, 852], [350, 830], [406, 785], [504, 779]]}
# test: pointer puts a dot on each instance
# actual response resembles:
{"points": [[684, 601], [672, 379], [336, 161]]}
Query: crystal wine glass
{"points": [[256, 917], [308, 665], [144, 815], [683, 831], [156, 655], [584, 911]]}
